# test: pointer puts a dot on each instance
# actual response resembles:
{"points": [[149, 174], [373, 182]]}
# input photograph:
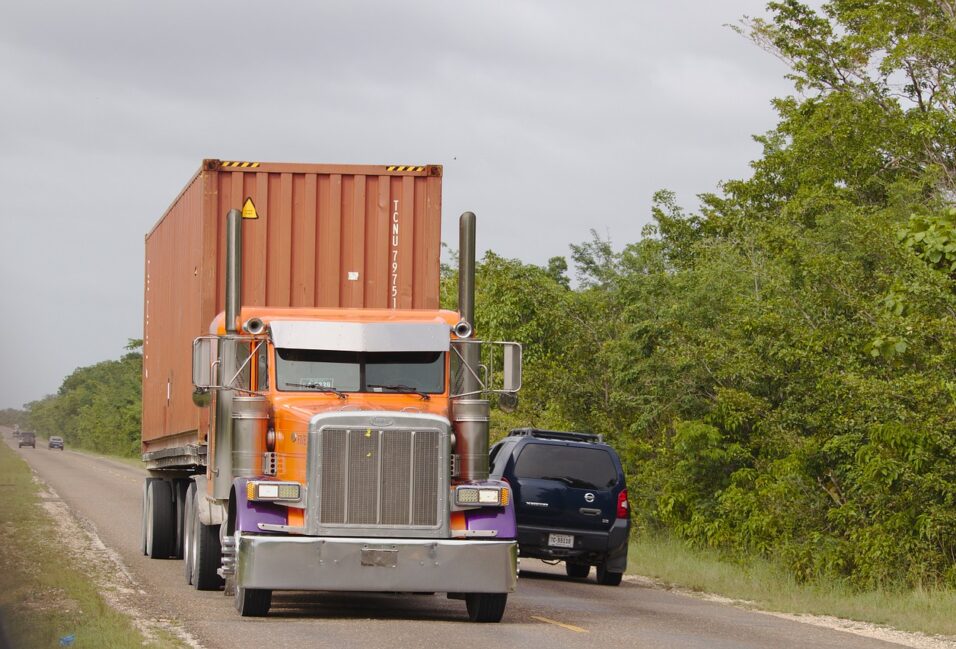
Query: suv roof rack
{"points": [[556, 434]]}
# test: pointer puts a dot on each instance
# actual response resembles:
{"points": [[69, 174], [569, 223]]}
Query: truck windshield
{"points": [[303, 370]]}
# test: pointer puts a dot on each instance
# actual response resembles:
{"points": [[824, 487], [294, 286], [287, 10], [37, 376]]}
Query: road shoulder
{"points": [[61, 583]]}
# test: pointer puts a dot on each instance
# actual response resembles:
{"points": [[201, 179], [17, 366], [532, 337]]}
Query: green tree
{"points": [[97, 407]]}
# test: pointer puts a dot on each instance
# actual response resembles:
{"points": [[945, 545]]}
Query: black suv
{"points": [[570, 499], [26, 439]]}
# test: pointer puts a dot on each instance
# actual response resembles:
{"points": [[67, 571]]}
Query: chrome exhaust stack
{"points": [[470, 416], [222, 465], [233, 269]]}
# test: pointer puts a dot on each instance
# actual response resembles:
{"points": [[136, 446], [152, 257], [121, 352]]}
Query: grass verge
{"points": [[44, 597], [769, 587]]}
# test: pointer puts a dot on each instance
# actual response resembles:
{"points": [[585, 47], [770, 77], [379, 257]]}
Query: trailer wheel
{"points": [[144, 509], [180, 487], [486, 607], [205, 551], [160, 521], [188, 514], [253, 602]]}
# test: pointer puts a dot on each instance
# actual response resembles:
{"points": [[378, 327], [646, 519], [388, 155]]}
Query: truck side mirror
{"points": [[507, 401], [204, 362], [202, 397], [511, 370]]}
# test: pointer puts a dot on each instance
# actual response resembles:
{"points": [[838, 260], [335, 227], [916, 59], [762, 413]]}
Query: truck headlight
{"points": [[492, 496], [269, 490]]}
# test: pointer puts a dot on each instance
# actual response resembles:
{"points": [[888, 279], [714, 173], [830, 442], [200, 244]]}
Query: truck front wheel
{"points": [[253, 602], [486, 607]]}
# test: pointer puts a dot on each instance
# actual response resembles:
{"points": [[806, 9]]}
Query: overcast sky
{"points": [[551, 118]]}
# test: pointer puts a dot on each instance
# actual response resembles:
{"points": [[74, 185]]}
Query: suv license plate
{"points": [[561, 540]]}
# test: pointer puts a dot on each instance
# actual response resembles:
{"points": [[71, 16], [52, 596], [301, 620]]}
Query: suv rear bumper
{"points": [[590, 546], [376, 565]]}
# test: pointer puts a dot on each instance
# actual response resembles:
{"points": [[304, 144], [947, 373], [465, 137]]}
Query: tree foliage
{"points": [[776, 368], [97, 407], [12, 417]]}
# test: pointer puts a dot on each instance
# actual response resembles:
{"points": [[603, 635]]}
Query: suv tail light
{"points": [[622, 506]]}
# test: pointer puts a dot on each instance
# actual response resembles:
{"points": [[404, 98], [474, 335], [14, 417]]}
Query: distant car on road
{"points": [[26, 439], [570, 500], [55, 442]]}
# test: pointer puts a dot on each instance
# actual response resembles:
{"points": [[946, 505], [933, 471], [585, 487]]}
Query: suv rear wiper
{"points": [[318, 387], [401, 388], [571, 482]]}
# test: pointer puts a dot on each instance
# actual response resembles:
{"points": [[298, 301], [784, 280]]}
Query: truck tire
{"points": [[143, 509], [486, 607], [188, 514], [253, 602], [160, 520], [206, 552], [608, 578], [577, 570], [180, 487]]}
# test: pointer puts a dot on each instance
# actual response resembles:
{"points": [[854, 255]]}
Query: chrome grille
{"points": [[375, 477]]}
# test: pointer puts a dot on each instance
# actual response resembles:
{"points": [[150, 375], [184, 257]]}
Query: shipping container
{"points": [[353, 236]]}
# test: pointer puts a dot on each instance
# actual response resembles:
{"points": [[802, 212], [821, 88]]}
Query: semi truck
{"points": [[312, 420]]}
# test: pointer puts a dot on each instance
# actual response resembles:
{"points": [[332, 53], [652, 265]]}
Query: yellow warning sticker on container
{"points": [[237, 164], [249, 210]]}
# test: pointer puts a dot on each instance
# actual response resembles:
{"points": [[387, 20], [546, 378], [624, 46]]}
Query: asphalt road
{"points": [[547, 611]]}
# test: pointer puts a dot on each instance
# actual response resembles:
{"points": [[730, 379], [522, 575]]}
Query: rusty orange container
{"points": [[353, 236]]}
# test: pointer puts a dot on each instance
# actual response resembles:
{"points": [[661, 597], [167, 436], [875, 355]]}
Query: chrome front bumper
{"points": [[376, 565]]}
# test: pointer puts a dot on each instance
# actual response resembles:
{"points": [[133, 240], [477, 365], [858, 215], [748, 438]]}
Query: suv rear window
{"points": [[573, 465]]}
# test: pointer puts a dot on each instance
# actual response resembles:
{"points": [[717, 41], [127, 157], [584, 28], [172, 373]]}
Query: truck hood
{"points": [[293, 413]]}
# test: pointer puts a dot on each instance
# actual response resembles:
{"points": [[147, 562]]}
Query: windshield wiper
{"points": [[318, 387], [401, 388]]}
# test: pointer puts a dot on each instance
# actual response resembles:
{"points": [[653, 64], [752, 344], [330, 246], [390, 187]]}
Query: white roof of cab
{"points": [[361, 336]]}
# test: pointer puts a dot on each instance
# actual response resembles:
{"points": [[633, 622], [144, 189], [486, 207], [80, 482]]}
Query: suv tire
{"points": [[607, 578], [577, 570]]}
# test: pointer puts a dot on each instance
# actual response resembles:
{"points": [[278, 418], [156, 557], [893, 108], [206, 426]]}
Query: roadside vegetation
{"points": [[767, 585], [97, 408], [776, 367], [44, 598]]}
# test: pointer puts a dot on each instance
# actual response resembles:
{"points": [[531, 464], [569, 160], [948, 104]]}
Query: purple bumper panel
{"points": [[250, 514], [499, 519]]}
